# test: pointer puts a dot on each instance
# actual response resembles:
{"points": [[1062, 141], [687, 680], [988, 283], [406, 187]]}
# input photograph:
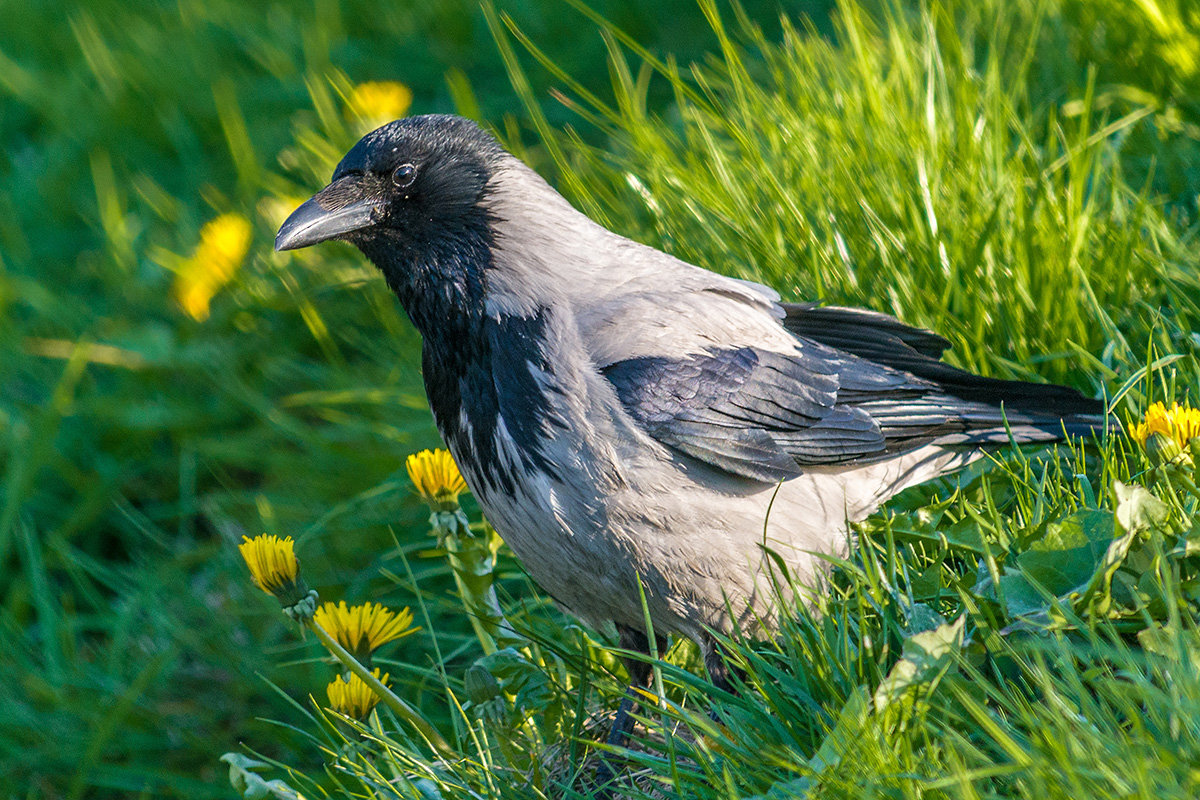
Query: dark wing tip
{"points": [[860, 331], [886, 340]]}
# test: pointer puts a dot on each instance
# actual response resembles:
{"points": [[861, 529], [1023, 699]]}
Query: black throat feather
{"points": [[477, 367]]}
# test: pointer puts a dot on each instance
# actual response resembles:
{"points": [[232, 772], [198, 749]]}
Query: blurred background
{"points": [[168, 383]]}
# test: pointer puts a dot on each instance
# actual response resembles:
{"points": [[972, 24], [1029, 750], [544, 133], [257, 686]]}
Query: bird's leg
{"points": [[718, 670], [639, 678]]}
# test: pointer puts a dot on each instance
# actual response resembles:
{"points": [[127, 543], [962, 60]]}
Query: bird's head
{"points": [[414, 181], [456, 224]]}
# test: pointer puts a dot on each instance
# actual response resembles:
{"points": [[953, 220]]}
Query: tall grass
{"points": [[1009, 174], [136, 443], [915, 164]]}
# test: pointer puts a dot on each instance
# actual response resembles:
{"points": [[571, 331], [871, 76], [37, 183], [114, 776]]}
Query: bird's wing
{"points": [[721, 371], [888, 341], [767, 414], [764, 414], [865, 333]]}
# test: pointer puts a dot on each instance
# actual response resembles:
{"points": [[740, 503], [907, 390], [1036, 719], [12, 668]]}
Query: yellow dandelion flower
{"points": [[376, 102], [1187, 425], [437, 478], [273, 564], [354, 697], [1155, 421], [362, 629], [224, 243], [1178, 425]]}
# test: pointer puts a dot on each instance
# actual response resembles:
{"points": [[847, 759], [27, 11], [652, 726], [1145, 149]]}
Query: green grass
{"points": [[919, 168], [134, 651], [1021, 177]]}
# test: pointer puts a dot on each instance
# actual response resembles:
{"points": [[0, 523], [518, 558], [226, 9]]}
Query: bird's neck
{"points": [[476, 366], [440, 283]]}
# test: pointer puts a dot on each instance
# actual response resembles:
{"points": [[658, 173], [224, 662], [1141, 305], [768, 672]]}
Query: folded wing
{"points": [[856, 387]]}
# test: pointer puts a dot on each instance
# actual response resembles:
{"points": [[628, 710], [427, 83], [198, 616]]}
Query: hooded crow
{"points": [[624, 417]]}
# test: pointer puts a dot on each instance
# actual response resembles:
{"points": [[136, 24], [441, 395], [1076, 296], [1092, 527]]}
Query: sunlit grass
{"points": [[911, 166], [999, 172]]}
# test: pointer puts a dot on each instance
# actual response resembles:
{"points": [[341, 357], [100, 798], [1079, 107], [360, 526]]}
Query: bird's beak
{"points": [[331, 213]]}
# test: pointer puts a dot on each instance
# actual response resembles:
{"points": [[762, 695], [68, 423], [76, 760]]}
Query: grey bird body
{"points": [[622, 415], [615, 503]]}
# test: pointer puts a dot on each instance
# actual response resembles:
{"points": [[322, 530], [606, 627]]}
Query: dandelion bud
{"points": [[481, 685], [1162, 449]]}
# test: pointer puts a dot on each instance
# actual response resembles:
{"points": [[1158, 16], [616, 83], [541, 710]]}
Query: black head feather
{"points": [[424, 180], [427, 169]]}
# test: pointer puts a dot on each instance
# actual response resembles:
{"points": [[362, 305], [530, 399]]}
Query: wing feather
{"points": [[765, 414]]}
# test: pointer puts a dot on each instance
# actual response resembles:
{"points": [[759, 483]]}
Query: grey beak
{"points": [[313, 222]]}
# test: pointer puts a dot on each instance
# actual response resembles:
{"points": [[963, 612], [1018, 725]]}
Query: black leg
{"points": [[623, 722], [639, 678], [718, 670]]}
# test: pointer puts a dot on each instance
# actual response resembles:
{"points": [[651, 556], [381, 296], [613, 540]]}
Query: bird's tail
{"points": [[987, 411]]}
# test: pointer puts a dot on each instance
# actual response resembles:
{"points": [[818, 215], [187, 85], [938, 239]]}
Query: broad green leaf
{"points": [[927, 525], [921, 617], [1138, 509], [925, 658], [1063, 561], [1069, 553]]}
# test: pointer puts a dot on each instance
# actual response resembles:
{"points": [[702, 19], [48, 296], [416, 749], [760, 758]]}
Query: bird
{"points": [[635, 426]]}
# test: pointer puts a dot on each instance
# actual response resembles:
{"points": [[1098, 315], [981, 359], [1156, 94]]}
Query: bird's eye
{"points": [[404, 175]]}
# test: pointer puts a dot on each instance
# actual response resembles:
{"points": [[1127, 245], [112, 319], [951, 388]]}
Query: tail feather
{"points": [[885, 340], [1022, 434]]}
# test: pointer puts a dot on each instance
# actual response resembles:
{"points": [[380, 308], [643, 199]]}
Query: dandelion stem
{"points": [[401, 708], [472, 558]]}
